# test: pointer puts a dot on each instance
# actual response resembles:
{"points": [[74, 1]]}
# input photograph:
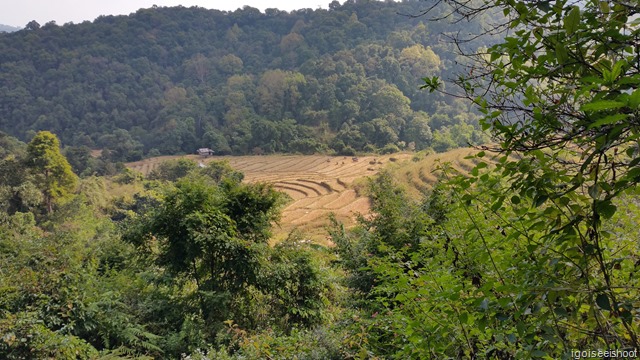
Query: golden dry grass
{"points": [[421, 175], [318, 185]]}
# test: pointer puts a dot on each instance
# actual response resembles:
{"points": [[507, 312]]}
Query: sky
{"points": [[19, 13]]}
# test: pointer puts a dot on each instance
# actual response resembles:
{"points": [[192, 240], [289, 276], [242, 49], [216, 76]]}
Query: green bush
{"points": [[347, 151], [389, 149], [172, 170]]}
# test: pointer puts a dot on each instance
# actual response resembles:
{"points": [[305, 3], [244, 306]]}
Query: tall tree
{"points": [[51, 169], [211, 234]]}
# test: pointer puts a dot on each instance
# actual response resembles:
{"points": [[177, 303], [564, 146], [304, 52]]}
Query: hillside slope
{"points": [[318, 185], [8, 28], [321, 185], [170, 80]]}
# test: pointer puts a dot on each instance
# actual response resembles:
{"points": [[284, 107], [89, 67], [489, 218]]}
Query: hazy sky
{"points": [[20, 12]]}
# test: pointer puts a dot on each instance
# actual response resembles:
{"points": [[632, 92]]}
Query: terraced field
{"points": [[319, 185], [418, 176]]}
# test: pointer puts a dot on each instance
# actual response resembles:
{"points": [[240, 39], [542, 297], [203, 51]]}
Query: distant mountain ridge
{"points": [[8, 28], [171, 80]]}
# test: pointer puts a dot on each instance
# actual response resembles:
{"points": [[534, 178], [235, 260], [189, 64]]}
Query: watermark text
{"points": [[604, 354]]}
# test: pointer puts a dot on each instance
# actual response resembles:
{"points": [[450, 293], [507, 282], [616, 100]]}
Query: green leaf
{"points": [[561, 53], [538, 353], [482, 323], [591, 80], [602, 105], [522, 9], [432, 84], [464, 317], [611, 119], [572, 21], [521, 328], [498, 204], [617, 70], [537, 32], [539, 200], [634, 99], [603, 301], [633, 173], [605, 208]]}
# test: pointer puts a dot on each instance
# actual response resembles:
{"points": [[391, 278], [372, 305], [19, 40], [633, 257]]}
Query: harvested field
{"points": [[318, 185], [419, 176]]}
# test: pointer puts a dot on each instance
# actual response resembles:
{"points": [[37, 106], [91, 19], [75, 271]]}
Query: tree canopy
{"points": [[171, 80], [51, 170]]}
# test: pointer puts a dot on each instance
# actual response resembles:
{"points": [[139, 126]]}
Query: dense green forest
{"points": [[171, 80], [532, 252], [119, 267]]}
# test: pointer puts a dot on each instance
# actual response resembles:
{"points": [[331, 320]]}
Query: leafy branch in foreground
{"points": [[560, 96], [536, 254]]}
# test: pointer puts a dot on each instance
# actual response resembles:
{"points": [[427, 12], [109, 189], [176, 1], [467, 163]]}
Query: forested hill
{"points": [[170, 80], [7, 28]]}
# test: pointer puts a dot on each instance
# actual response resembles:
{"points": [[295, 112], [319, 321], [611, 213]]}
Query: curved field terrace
{"points": [[317, 184]]}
